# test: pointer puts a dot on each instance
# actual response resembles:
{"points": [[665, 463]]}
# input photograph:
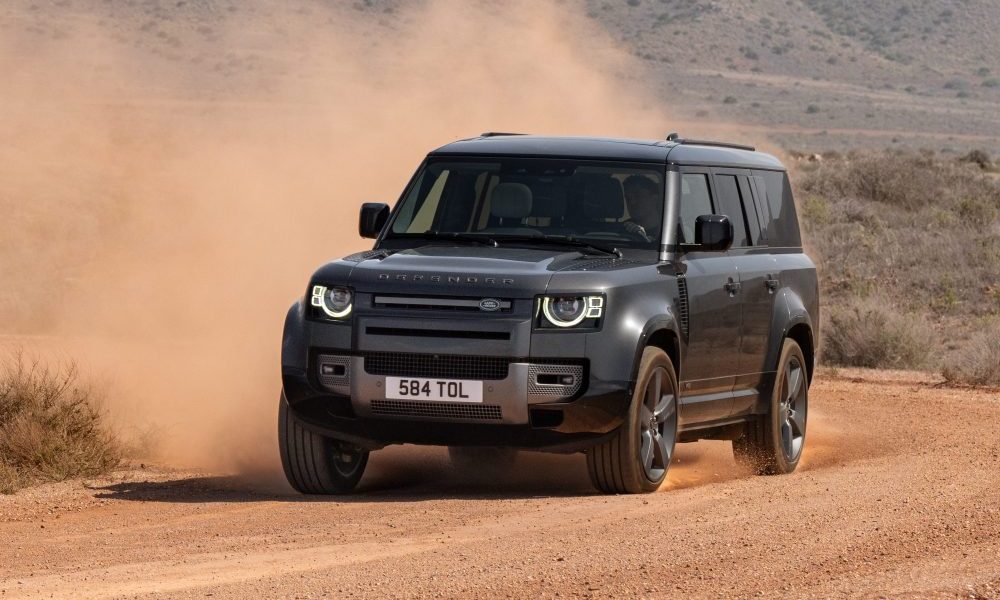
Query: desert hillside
{"points": [[824, 74], [807, 74]]}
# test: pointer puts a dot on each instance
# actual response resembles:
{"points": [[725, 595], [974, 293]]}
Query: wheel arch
{"points": [[293, 338], [661, 332], [801, 333], [791, 320]]}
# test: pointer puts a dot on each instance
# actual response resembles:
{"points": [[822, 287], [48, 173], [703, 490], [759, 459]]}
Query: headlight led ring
{"points": [[592, 307], [336, 302]]}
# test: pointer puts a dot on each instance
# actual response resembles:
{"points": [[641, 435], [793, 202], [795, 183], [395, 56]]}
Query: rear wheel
{"points": [[315, 464], [636, 459], [772, 444]]}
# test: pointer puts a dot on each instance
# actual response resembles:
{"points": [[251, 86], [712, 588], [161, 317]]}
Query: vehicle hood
{"points": [[448, 270]]}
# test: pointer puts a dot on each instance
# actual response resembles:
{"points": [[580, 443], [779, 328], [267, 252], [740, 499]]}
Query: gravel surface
{"points": [[897, 497]]}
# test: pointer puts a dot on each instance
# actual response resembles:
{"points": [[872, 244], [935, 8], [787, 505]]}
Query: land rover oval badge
{"points": [[489, 304]]}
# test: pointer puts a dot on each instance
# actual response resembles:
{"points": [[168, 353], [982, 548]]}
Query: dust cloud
{"points": [[169, 177]]}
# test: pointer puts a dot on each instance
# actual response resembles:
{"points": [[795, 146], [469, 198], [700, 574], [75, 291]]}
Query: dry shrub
{"points": [[871, 333], [979, 158], [906, 180], [920, 226], [978, 362], [50, 426]]}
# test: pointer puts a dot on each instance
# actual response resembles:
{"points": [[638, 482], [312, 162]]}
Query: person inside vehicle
{"points": [[642, 197]]}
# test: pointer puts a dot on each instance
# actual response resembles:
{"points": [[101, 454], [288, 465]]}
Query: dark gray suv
{"points": [[606, 296]]}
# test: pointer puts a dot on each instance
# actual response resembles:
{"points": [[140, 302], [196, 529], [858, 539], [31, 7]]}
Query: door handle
{"points": [[732, 286], [771, 283]]}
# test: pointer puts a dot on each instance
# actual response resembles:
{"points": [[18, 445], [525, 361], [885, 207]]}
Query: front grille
{"points": [[444, 366], [452, 303], [439, 333], [440, 410]]}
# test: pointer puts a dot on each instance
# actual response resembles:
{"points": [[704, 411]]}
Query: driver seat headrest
{"points": [[603, 198], [511, 201]]}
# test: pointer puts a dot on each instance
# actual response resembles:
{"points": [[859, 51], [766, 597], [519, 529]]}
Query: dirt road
{"points": [[897, 497]]}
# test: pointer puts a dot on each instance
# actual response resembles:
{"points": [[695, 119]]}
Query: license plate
{"points": [[447, 390]]}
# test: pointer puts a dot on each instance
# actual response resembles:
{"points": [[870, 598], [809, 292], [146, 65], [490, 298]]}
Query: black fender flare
{"points": [[660, 323], [293, 341], [789, 311]]}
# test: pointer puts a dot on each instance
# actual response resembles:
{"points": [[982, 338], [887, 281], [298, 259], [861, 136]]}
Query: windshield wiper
{"points": [[457, 237], [559, 240]]}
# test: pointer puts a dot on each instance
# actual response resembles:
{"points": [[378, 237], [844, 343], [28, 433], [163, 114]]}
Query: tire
{"points": [[772, 444], [482, 458], [315, 464], [637, 458]]}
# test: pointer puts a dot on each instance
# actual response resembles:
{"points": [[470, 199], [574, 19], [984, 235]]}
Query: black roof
{"points": [[660, 151]]}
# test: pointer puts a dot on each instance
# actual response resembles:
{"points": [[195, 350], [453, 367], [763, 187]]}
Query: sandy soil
{"points": [[897, 497]]}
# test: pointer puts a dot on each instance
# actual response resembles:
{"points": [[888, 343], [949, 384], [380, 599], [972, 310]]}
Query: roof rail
{"points": [[675, 137], [498, 134]]}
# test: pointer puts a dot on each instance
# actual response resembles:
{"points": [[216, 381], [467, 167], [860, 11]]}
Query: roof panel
{"points": [[693, 154], [608, 149], [569, 147]]}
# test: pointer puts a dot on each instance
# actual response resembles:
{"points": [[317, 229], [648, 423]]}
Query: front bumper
{"points": [[334, 377], [351, 406]]}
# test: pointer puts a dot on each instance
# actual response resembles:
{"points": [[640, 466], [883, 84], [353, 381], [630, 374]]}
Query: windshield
{"points": [[609, 204]]}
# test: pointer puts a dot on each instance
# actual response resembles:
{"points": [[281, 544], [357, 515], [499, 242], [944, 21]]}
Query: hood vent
{"points": [[601, 264], [368, 255]]}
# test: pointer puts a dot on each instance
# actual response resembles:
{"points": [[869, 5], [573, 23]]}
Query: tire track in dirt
{"points": [[897, 496]]}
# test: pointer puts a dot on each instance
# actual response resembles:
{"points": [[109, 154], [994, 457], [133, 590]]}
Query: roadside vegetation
{"points": [[51, 426], [909, 250]]}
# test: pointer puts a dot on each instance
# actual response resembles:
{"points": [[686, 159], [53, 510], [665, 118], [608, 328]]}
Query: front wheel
{"points": [[636, 459], [772, 444], [315, 464]]}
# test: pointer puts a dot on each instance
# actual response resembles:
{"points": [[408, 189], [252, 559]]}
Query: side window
{"points": [[783, 230], [750, 211], [731, 206], [763, 210], [696, 200]]}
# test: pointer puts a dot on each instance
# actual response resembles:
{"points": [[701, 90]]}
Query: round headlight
{"points": [[564, 312], [336, 302]]}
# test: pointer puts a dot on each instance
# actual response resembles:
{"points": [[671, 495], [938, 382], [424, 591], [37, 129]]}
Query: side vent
{"points": [[682, 303]]}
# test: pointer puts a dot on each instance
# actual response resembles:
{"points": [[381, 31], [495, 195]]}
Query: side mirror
{"points": [[713, 233], [373, 218]]}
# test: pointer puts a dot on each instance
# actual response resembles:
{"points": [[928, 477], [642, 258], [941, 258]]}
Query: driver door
{"points": [[711, 362]]}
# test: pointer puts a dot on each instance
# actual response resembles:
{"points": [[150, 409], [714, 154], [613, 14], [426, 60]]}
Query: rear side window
{"points": [[750, 212], [731, 206], [783, 227], [696, 200]]}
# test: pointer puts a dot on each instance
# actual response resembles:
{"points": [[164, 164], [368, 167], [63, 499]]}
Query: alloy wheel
{"points": [[792, 409], [657, 425]]}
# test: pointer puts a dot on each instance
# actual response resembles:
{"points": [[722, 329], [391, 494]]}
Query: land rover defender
{"points": [[606, 296]]}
